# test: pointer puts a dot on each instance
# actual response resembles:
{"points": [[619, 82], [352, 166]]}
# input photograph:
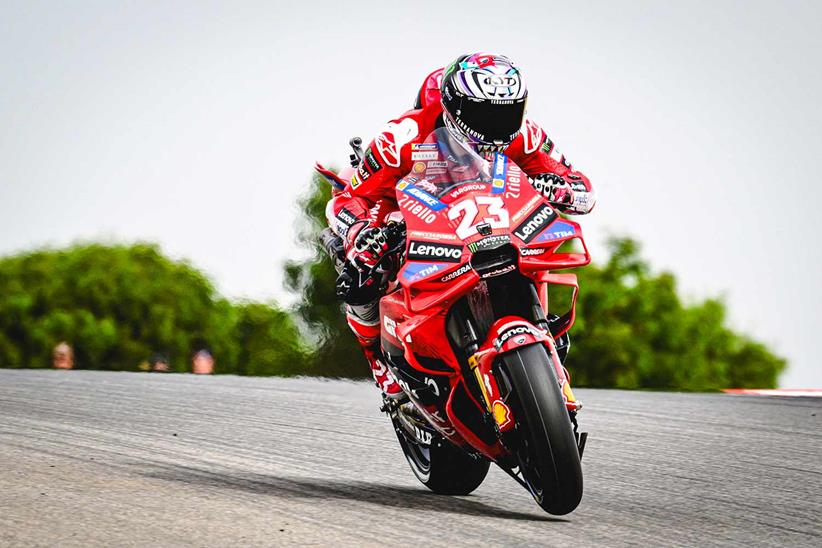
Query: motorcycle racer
{"points": [[480, 98]]}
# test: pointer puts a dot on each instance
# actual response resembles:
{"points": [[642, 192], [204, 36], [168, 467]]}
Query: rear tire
{"points": [[547, 452], [443, 467]]}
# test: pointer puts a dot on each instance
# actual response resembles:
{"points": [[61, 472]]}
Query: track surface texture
{"points": [[125, 459]]}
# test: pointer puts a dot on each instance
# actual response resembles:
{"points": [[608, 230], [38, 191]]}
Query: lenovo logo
{"points": [[428, 251], [535, 223]]}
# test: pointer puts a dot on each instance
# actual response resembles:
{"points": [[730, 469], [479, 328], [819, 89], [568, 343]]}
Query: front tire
{"points": [[441, 466], [547, 452]]}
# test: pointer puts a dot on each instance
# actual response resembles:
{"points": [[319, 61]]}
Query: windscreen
{"points": [[442, 163]]}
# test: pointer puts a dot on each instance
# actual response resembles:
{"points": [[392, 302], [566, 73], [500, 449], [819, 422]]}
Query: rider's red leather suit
{"points": [[371, 194]]}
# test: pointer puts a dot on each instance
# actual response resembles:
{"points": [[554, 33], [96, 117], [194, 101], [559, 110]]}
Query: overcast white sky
{"points": [[195, 124]]}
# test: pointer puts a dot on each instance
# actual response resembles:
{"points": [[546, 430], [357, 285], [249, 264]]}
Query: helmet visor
{"points": [[491, 120]]}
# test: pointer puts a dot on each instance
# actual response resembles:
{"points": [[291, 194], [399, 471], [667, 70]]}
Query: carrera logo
{"points": [[427, 251], [525, 252], [535, 223], [456, 274]]}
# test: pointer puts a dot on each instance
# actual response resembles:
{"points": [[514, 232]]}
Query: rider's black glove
{"points": [[369, 246]]}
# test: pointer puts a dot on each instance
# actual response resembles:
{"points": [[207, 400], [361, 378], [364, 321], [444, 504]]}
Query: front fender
{"points": [[509, 334]]}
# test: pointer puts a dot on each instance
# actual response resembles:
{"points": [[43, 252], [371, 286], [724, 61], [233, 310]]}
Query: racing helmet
{"points": [[484, 97]]}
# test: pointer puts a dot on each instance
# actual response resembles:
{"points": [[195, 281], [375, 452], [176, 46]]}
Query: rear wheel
{"points": [[441, 466], [547, 449]]}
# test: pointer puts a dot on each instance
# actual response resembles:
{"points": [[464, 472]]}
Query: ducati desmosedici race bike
{"points": [[466, 328]]}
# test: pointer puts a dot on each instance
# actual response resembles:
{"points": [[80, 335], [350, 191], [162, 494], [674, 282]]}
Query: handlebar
{"points": [[395, 235]]}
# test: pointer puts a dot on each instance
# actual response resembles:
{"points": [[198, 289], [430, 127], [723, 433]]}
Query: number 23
{"points": [[469, 209]]}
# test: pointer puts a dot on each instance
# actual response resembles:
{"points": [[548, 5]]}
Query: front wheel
{"points": [[547, 449], [442, 466]]}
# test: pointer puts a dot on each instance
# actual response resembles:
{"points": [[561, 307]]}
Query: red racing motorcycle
{"points": [[466, 327]]}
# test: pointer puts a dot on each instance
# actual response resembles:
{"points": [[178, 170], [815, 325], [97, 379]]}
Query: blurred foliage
{"points": [[268, 342], [632, 330], [119, 305], [337, 353]]}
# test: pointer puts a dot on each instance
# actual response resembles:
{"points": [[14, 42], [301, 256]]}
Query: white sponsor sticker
{"points": [[426, 155]]}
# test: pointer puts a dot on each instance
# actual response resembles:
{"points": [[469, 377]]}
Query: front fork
{"points": [[508, 335]]}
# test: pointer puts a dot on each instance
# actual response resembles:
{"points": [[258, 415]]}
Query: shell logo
{"points": [[501, 413]]}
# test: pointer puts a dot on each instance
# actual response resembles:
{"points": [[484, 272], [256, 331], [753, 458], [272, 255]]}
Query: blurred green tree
{"points": [[337, 353], [632, 329], [117, 305], [268, 341]]}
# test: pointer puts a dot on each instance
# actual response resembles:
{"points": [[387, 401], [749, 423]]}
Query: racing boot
{"points": [[382, 375], [364, 322]]}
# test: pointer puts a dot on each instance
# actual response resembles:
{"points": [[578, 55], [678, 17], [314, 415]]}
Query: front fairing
{"points": [[457, 203]]}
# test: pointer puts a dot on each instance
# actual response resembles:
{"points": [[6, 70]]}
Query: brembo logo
{"points": [[535, 223], [427, 251]]}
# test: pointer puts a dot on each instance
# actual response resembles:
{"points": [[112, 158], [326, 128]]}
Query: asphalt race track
{"points": [[122, 459]]}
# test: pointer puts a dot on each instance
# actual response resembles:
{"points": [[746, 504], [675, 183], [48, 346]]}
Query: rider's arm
{"points": [[537, 155], [370, 195]]}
